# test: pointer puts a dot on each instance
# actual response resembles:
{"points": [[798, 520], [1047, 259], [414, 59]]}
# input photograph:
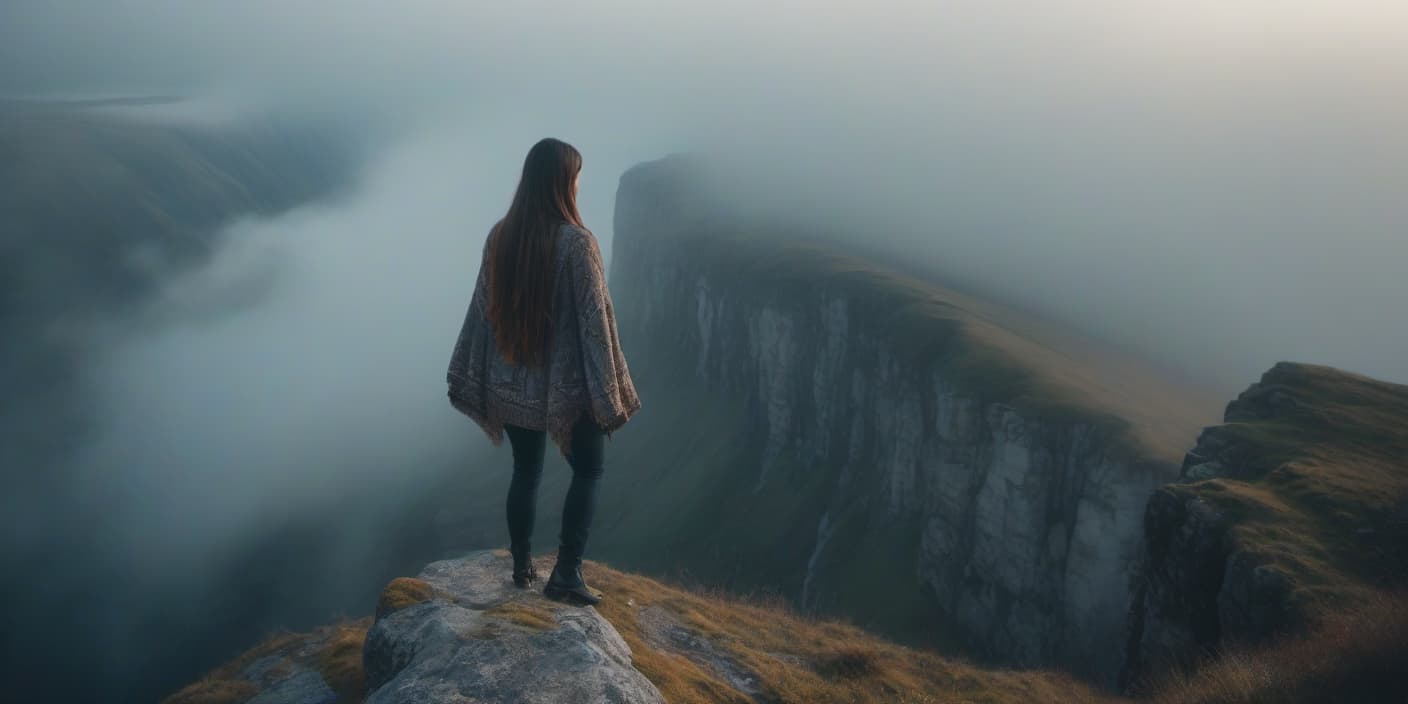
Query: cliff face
{"points": [[1014, 509], [1294, 508]]}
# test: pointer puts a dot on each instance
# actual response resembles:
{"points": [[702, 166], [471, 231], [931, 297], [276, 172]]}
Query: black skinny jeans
{"points": [[586, 456]]}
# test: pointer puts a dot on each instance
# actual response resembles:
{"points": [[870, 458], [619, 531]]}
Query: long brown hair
{"points": [[521, 251]]}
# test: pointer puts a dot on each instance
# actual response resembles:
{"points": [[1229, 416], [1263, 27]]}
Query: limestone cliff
{"points": [[940, 445]]}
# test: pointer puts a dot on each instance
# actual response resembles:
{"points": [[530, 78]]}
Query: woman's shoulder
{"points": [[577, 239], [574, 231]]}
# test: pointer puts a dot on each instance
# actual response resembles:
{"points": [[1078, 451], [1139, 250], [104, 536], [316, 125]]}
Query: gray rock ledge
{"points": [[467, 634]]}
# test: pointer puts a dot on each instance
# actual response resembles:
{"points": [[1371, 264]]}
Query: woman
{"points": [[538, 357]]}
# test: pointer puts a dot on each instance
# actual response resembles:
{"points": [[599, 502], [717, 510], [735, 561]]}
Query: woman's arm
{"points": [[608, 379], [466, 373], [480, 300]]}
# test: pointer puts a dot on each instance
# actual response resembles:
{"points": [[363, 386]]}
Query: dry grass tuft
{"points": [[401, 593], [529, 615], [340, 660], [850, 662], [214, 691]]}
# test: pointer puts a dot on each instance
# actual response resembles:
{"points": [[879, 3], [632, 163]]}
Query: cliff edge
{"points": [[461, 632]]}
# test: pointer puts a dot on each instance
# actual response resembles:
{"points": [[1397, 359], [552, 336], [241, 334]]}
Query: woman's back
{"points": [[584, 369]]}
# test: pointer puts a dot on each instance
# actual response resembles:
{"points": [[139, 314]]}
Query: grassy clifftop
{"points": [[995, 351], [1311, 471]]}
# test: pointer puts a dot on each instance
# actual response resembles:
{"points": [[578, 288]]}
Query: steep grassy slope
{"points": [[1350, 656], [1004, 354], [1313, 466]]}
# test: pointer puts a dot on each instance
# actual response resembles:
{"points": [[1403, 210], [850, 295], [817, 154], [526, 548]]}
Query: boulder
{"points": [[469, 635]]}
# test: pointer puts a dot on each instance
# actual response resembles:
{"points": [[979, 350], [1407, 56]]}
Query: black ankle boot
{"points": [[524, 573], [568, 585]]}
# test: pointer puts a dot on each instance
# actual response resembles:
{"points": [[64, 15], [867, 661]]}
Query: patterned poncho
{"points": [[585, 370]]}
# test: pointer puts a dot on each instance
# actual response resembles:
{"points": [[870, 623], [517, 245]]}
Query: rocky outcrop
{"points": [[1019, 520], [1292, 507], [1196, 586], [461, 632]]}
